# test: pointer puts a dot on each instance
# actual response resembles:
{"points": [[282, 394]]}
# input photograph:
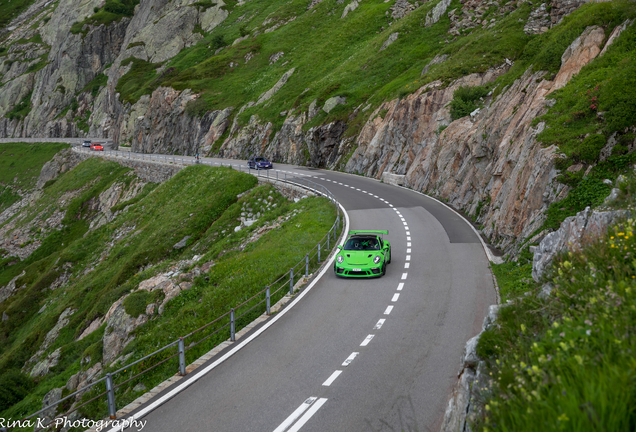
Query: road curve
{"points": [[354, 355]]}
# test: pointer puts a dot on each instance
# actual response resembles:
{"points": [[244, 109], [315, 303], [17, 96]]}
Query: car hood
{"points": [[359, 257]]}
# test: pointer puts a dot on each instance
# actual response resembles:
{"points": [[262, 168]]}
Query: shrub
{"points": [[197, 107], [465, 100], [217, 42], [14, 386], [135, 303], [590, 148]]}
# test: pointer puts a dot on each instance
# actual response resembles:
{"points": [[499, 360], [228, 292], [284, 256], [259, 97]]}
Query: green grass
{"points": [[11, 9], [200, 202], [567, 363], [112, 11], [20, 166], [96, 84], [138, 81], [351, 64]]}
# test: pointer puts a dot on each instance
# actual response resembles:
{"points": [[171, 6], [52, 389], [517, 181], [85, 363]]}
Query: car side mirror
{"points": [[339, 247]]}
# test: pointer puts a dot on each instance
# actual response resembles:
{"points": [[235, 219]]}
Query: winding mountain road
{"points": [[355, 355], [352, 355]]}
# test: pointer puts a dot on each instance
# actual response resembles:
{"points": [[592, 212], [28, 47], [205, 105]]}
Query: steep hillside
{"points": [[470, 101], [20, 167], [101, 267]]}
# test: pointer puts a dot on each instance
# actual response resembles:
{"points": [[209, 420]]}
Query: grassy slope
{"points": [[20, 166], [200, 202], [332, 56], [567, 363]]}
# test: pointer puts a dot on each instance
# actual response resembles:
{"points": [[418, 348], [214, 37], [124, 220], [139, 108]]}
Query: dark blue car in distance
{"points": [[259, 163]]}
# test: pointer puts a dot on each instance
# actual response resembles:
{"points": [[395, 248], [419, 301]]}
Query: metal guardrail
{"points": [[283, 284]]}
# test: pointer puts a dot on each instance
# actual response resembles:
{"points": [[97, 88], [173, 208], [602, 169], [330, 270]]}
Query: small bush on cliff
{"points": [[21, 110], [14, 386], [138, 81], [591, 147], [466, 100]]}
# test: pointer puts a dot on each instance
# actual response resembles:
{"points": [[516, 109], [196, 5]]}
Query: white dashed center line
{"points": [[332, 378], [408, 257], [407, 265], [388, 310], [297, 413], [379, 324], [366, 340], [349, 359], [408, 250], [395, 298], [400, 286], [309, 414], [408, 244], [404, 275]]}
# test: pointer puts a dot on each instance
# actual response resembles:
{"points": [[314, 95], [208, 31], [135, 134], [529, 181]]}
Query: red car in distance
{"points": [[97, 147]]}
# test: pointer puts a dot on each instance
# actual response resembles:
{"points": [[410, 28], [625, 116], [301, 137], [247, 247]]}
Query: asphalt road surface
{"points": [[355, 355]]}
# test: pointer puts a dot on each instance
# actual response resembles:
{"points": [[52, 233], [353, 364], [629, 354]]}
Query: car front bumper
{"points": [[363, 272]]}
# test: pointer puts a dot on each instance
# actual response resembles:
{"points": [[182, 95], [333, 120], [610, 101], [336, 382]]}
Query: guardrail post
{"points": [[306, 265], [182, 362], [267, 301], [110, 388], [285, 177], [318, 252], [232, 334], [328, 235], [291, 282]]}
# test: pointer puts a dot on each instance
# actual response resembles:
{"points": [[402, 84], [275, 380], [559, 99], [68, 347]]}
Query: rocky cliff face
{"points": [[48, 68], [488, 164]]}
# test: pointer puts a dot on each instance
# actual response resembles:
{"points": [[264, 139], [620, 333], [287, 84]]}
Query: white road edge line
{"points": [[292, 418], [309, 414], [332, 378], [202, 372]]}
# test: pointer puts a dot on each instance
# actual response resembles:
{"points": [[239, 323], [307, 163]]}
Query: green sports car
{"points": [[365, 254]]}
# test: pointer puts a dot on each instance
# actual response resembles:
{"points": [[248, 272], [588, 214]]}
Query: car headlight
{"points": [[376, 259], [340, 259]]}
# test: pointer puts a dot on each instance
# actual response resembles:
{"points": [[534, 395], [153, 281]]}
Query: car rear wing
{"points": [[369, 232]]}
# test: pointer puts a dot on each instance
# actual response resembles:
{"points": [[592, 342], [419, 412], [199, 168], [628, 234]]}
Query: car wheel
{"points": [[389, 260], [383, 269]]}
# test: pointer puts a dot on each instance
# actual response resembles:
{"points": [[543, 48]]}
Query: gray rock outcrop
{"points": [[392, 38], [436, 13], [575, 232], [62, 162], [271, 92], [350, 8], [119, 326], [460, 406], [332, 102]]}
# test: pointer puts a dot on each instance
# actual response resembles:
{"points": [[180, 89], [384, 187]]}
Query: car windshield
{"points": [[362, 244], [260, 159]]}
